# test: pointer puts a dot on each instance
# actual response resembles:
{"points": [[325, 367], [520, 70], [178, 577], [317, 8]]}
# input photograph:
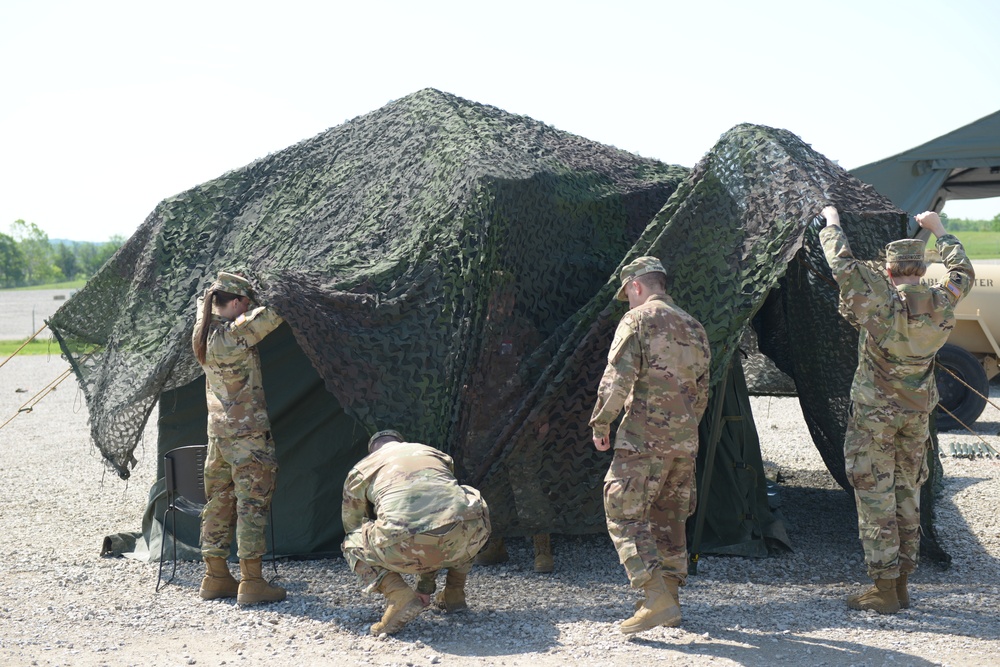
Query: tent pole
{"points": [[715, 434]]}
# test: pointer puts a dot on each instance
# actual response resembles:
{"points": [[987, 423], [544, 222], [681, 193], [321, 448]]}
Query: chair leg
{"points": [[173, 542], [163, 548]]}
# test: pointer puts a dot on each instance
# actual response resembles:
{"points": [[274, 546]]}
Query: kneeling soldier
{"points": [[405, 513]]}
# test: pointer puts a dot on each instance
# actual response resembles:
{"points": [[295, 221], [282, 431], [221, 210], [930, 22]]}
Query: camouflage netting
{"points": [[727, 237], [449, 270], [395, 245]]}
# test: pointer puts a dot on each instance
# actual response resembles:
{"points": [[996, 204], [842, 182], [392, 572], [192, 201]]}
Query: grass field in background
{"points": [[37, 346], [69, 284], [980, 245]]}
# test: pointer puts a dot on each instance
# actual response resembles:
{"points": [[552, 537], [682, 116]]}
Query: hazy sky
{"points": [[109, 107]]}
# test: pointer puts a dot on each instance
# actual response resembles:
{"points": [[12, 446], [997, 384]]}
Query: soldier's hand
{"points": [[931, 221], [830, 214], [602, 444]]}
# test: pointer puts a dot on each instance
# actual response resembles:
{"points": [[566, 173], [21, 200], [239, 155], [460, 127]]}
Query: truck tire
{"points": [[965, 404]]}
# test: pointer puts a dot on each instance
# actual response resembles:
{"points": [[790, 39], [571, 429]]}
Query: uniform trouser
{"points": [[371, 556], [885, 457], [239, 482], [647, 500]]}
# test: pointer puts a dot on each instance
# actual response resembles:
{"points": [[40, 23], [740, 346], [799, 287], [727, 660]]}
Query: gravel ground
{"points": [[61, 604]]}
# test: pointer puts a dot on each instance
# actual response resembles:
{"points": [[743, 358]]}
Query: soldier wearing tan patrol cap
{"points": [[241, 464], [658, 373], [902, 324]]}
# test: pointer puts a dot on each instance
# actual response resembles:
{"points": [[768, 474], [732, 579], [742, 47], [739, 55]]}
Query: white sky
{"points": [[109, 107]]}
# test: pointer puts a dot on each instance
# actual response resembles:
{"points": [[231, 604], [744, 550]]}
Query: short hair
{"points": [[910, 267], [654, 281], [380, 438]]}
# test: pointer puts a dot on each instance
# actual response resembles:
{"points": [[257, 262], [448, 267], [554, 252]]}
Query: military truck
{"points": [[972, 352]]}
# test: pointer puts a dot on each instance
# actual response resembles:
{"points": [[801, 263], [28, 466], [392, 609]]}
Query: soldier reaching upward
{"points": [[903, 324], [658, 372], [404, 512], [241, 465]]}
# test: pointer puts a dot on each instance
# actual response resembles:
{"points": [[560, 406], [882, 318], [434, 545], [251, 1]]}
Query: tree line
{"points": [[27, 257], [962, 225]]}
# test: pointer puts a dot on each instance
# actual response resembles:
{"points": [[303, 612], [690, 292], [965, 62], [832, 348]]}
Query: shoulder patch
{"points": [[622, 335], [240, 320], [953, 288]]}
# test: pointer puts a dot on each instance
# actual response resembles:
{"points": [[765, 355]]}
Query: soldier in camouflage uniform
{"points": [[903, 324], [404, 512], [658, 371], [241, 464]]}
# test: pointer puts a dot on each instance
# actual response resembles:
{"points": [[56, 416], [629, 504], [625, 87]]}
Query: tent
{"points": [[963, 164], [448, 269]]}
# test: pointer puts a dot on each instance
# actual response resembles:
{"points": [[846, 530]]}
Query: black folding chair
{"points": [[184, 475]]}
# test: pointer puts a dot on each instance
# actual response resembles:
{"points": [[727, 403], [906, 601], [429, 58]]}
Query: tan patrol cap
{"points": [[388, 433], [638, 267], [232, 283], [905, 250]]}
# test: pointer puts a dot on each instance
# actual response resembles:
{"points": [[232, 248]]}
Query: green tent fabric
{"points": [[448, 269], [963, 164]]}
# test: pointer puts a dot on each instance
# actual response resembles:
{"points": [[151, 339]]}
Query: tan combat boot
{"points": [[659, 608], [218, 582], [902, 594], [672, 584], [494, 553], [452, 598], [254, 589], [402, 606], [543, 553], [881, 598]]}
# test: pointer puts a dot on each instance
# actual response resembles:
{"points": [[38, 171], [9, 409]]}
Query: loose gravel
{"points": [[62, 604]]}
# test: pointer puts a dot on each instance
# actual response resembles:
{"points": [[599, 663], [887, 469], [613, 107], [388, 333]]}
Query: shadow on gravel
{"points": [[753, 650]]}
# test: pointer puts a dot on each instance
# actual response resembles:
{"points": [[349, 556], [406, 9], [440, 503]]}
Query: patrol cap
{"points": [[232, 283], [905, 250], [638, 267], [388, 433]]}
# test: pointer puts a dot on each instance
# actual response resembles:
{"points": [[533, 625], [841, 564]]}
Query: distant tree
{"points": [[995, 223], [67, 262], [95, 255], [12, 262], [34, 243]]}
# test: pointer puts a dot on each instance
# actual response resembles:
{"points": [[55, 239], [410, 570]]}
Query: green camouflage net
{"points": [[449, 270], [395, 245]]}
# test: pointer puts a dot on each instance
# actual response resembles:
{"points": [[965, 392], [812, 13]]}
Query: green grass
{"points": [[980, 245], [37, 346], [69, 284]]}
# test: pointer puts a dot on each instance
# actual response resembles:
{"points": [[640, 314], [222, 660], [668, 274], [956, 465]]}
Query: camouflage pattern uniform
{"points": [[405, 512], [885, 450], [241, 464], [658, 372]]}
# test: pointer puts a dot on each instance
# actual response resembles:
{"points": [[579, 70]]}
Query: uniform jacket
{"points": [[234, 386], [406, 488], [658, 372], [902, 328]]}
